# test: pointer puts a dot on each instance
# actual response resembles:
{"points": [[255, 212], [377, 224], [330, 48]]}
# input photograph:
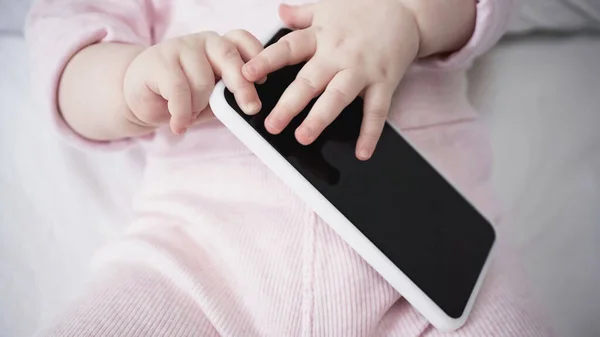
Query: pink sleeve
{"points": [[57, 29], [491, 23]]}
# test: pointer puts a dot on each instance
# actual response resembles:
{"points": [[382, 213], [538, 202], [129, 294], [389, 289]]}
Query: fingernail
{"points": [[262, 80], [272, 125], [305, 135], [363, 154], [252, 107]]}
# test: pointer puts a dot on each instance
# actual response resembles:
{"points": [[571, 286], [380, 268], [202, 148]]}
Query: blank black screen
{"points": [[396, 199]]}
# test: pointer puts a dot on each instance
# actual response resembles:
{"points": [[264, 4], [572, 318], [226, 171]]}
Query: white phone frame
{"points": [[336, 220]]}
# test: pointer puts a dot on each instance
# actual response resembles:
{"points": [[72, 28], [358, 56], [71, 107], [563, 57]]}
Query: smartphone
{"points": [[395, 210]]}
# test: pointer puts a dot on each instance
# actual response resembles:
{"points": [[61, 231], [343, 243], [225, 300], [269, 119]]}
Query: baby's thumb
{"points": [[297, 17]]}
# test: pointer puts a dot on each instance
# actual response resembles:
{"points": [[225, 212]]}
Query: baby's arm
{"points": [[105, 83], [90, 92], [444, 26], [79, 50]]}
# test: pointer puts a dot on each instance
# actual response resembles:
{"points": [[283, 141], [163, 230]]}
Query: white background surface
{"points": [[542, 99], [541, 96]]}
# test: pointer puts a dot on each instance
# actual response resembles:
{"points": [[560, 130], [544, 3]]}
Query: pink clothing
{"points": [[219, 245]]}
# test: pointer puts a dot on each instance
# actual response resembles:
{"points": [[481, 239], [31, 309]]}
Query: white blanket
{"points": [[541, 96]]}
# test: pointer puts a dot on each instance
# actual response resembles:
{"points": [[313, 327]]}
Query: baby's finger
{"points": [[247, 44], [227, 64], [340, 92], [378, 98], [297, 17], [172, 84], [200, 77], [291, 49], [309, 83]]}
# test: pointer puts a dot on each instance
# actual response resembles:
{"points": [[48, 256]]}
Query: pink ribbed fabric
{"points": [[219, 246]]}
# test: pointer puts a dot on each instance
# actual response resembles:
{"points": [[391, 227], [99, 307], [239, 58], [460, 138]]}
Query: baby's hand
{"points": [[171, 82], [352, 47]]}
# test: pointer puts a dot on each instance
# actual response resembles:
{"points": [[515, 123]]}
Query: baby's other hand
{"points": [[353, 47], [171, 82]]}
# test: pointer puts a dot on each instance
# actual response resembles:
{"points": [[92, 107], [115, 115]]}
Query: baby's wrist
{"points": [[444, 26]]}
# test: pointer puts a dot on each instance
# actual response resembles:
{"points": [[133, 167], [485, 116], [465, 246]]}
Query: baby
{"points": [[219, 246]]}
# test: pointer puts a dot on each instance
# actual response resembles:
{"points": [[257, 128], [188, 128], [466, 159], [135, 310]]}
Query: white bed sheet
{"points": [[541, 96]]}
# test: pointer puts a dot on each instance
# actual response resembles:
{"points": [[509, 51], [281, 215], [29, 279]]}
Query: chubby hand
{"points": [[352, 47], [171, 82]]}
